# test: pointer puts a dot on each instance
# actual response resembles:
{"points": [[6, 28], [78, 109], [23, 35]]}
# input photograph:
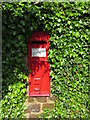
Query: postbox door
{"points": [[39, 78]]}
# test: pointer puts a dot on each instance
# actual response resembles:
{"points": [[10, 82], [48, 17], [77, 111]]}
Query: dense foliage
{"points": [[68, 26]]}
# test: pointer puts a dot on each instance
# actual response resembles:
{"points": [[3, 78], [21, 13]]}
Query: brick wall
{"points": [[36, 105]]}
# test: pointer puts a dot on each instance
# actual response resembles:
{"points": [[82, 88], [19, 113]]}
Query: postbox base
{"points": [[39, 94]]}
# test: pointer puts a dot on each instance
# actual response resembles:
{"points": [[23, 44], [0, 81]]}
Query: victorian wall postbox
{"points": [[39, 83]]}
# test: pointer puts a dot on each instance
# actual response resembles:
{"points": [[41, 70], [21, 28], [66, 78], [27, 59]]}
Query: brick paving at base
{"points": [[36, 105]]}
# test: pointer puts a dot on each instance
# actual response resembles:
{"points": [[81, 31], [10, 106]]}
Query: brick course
{"points": [[41, 99], [34, 108], [36, 105], [48, 105], [30, 99]]}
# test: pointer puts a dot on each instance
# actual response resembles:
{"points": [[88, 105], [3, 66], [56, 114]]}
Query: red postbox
{"points": [[39, 80]]}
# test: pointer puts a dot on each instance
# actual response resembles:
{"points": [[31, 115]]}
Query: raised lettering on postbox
{"points": [[38, 52]]}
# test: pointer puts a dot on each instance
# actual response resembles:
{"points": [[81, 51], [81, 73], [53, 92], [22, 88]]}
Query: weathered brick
{"points": [[26, 116], [33, 116], [41, 99], [48, 105], [34, 108], [27, 110], [27, 90], [52, 98], [26, 102], [30, 99]]}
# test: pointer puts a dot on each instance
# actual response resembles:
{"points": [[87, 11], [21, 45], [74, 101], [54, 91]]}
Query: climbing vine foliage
{"points": [[68, 26]]}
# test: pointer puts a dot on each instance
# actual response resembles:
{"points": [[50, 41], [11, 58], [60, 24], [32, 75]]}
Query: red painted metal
{"points": [[39, 83], [39, 36]]}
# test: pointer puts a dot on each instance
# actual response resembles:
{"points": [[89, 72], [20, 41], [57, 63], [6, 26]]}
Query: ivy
{"points": [[68, 26]]}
